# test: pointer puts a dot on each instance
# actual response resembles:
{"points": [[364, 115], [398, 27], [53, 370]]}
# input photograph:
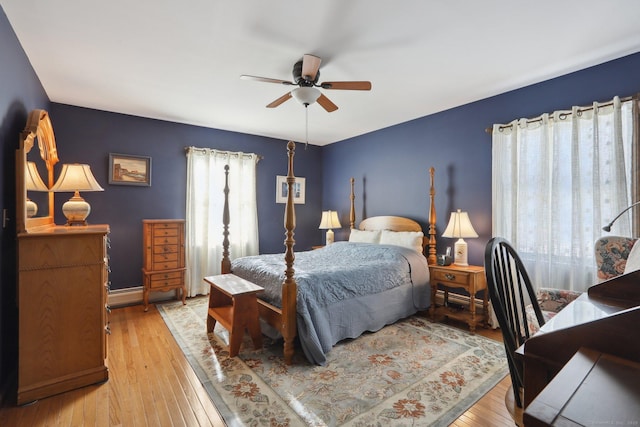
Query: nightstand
{"points": [[470, 278]]}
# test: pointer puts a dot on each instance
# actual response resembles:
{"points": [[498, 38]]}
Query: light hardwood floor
{"points": [[151, 384]]}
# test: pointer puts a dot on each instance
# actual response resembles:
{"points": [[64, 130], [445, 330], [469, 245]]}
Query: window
{"points": [[557, 179], [205, 202]]}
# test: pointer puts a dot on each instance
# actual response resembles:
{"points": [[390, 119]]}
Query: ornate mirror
{"points": [[34, 173]]}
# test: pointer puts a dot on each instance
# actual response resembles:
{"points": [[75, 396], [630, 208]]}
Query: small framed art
{"points": [[282, 190], [126, 169]]}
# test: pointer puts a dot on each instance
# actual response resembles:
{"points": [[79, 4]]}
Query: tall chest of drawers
{"points": [[62, 303], [163, 257]]}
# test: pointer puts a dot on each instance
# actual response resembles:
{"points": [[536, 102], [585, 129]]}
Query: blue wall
{"points": [[20, 92], [390, 166], [88, 136]]}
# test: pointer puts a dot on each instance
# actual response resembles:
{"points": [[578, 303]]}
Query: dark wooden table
{"points": [[592, 389], [605, 319]]}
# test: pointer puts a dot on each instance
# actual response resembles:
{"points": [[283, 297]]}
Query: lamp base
{"points": [[76, 210], [329, 237], [32, 208], [460, 250]]}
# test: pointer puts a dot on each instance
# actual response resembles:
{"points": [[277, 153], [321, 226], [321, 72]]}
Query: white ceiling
{"points": [[181, 60]]}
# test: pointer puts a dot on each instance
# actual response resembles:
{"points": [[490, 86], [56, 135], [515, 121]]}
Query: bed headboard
{"points": [[398, 223], [392, 223]]}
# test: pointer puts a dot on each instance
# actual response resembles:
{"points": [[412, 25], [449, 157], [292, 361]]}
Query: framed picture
{"points": [[125, 169], [282, 190]]}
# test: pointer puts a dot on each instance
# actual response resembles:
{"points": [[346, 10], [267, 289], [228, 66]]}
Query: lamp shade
{"points": [[329, 220], [76, 177], [306, 95], [33, 182], [459, 226]]}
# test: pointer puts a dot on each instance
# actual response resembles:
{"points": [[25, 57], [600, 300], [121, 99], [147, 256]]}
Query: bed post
{"points": [[226, 262], [289, 286], [431, 258], [352, 211]]}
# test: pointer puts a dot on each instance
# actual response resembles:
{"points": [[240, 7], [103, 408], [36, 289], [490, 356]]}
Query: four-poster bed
{"points": [[346, 288]]}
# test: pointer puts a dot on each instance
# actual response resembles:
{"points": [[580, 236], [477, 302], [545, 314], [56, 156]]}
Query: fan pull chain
{"points": [[306, 127]]}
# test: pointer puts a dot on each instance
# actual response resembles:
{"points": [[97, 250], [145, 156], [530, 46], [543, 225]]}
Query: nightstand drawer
{"points": [[459, 277]]}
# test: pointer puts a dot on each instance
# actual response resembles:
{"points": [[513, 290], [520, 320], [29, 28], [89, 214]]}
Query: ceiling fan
{"points": [[306, 74]]}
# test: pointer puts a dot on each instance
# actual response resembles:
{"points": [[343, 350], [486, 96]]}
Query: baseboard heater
{"points": [[133, 296]]}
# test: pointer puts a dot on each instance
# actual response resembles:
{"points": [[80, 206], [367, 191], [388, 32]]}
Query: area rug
{"points": [[412, 373]]}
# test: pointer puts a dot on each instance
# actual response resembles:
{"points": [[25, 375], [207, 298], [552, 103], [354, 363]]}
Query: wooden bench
{"points": [[233, 303]]}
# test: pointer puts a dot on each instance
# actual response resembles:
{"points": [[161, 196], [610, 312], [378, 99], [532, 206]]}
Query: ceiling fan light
{"points": [[306, 95]]}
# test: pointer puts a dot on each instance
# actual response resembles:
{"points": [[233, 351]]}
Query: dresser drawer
{"points": [[44, 252], [163, 231], [165, 257], [168, 265], [166, 240], [164, 249], [161, 280]]}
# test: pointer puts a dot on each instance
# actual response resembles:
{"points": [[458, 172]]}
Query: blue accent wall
{"points": [[390, 166], [88, 136], [20, 92]]}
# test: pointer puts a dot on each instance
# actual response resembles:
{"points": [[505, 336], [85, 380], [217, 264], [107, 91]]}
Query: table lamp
{"points": [[329, 220], [75, 178], [33, 182], [460, 227]]}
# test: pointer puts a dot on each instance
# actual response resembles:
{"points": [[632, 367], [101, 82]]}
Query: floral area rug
{"points": [[412, 373]]}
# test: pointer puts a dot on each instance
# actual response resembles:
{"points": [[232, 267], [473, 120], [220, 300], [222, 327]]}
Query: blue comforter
{"points": [[344, 289]]}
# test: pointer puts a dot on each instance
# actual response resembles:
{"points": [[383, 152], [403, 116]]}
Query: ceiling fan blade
{"points": [[280, 100], [265, 79], [310, 66], [363, 85], [327, 104]]}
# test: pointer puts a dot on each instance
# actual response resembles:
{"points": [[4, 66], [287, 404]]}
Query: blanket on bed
{"points": [[344, 289]]}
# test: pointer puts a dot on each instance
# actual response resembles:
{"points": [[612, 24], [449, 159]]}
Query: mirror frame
{"points": [[38, 127]]}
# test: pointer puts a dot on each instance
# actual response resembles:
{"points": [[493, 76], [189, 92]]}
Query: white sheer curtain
{"points": [[205, 201], [557, 180]]}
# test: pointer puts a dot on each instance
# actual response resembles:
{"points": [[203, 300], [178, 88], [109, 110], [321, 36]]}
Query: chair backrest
{"points": [[512, 296], [611, 253]]}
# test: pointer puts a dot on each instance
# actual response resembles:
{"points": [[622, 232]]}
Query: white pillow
{"points": [[633, 261], [364, 236], [407, 239]]}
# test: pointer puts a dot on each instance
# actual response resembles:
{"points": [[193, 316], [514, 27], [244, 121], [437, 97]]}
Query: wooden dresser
{"points": [[163, 257], [62, 282], [62, 305]]}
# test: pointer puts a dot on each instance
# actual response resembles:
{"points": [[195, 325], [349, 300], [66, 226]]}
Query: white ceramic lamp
{"points": [[75, 178], [33, 182], [460, 227], [328, 222]]}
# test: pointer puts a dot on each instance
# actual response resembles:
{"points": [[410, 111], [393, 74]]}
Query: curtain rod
{"points": [[564, 115], [230, 153]]}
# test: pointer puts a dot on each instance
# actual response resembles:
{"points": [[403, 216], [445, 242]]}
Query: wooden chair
{"points": [[512, 296]]}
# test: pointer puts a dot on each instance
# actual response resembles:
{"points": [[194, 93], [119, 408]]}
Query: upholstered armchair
{"points": [[611, 254]]}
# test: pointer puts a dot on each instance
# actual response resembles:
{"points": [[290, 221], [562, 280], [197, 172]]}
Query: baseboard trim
{"points": [[133, 296]]}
